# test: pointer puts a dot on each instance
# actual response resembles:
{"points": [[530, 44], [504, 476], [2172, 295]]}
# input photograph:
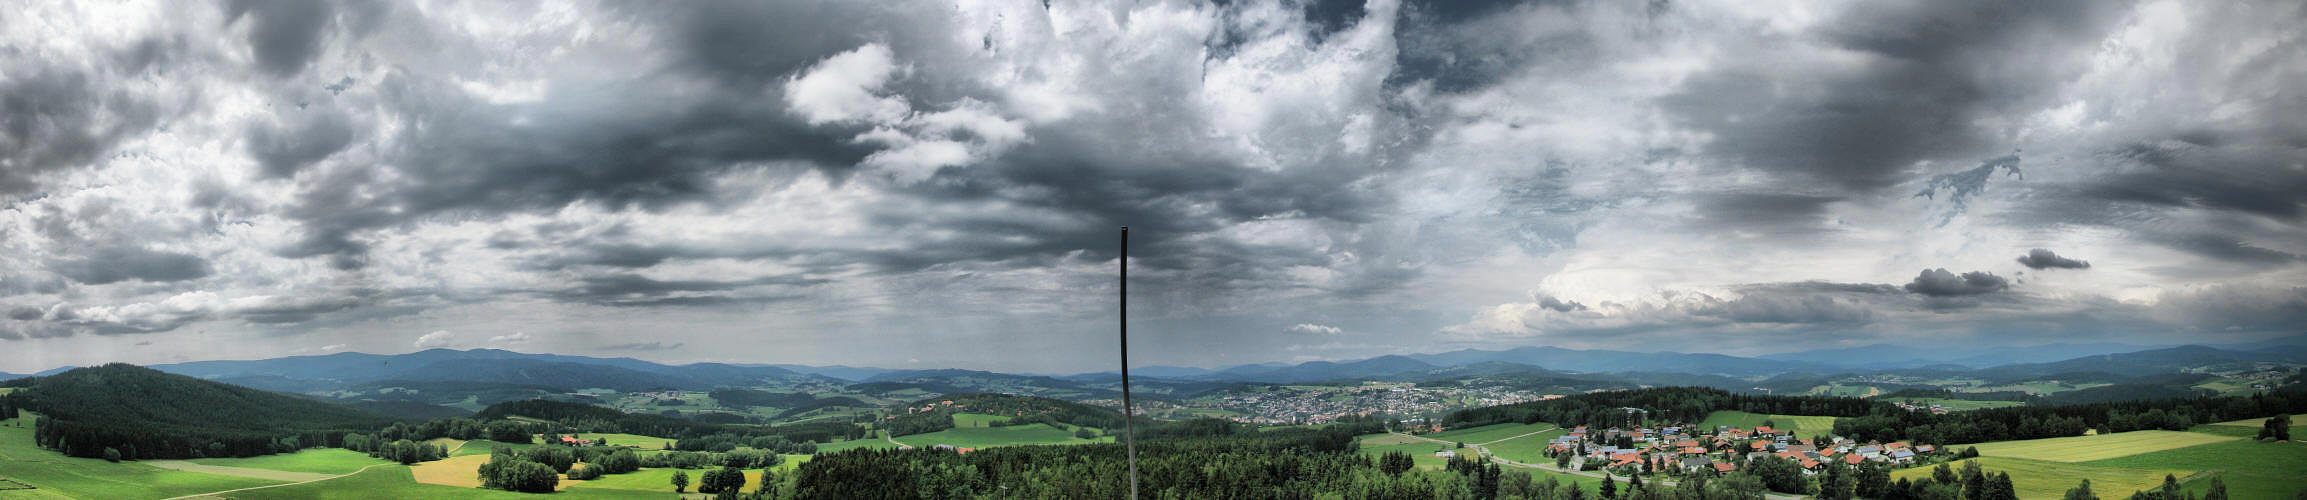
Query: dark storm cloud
{"points": [[295, 310], [283, 150], [1941, 283], [636, 290], [1454, 45], [633, 144], [1935, 67], [284, 34], [25, 313], [54, 117], [642, 346], [117, 264], [2046, 259], [1783, 212], [1559, 305], [748, 43], [2229, 249], [2250, 178]]}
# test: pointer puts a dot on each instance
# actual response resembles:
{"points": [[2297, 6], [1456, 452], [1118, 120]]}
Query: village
{"points": [[1682, 449], [1323, 404]]}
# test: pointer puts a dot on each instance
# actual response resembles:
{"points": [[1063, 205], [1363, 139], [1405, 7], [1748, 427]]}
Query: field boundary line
{"points": [[1548, 429], [339, 476]]}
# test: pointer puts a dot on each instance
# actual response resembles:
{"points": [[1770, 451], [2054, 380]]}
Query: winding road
{"points": [[208, 470]]}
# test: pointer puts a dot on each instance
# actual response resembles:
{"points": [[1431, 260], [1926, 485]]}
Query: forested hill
{"points": [[144, 413], [1027, 408]]}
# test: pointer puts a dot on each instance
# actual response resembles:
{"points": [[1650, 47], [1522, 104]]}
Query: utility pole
{"points": [[1128, 419]]}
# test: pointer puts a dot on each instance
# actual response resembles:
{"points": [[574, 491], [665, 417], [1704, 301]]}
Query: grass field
{"points": [[2089, 448], [483, 446], [57, 476], [317, 460], [1421, 452], [1965, 404], [980, 437], [1529, 450], [1488, 433], [461, 471], [2252, 469], [632, 440], [395, 482], [2297, 421], [976, 419], [657, 481], [874, 442], [2045, 479], [1802, 426]]}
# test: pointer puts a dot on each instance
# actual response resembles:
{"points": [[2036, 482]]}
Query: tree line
{"points": [[1663, 404], [2031, 422]]}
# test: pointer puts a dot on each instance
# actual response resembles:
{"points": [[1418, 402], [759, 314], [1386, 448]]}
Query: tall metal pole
{"points": [[1128, 420]]}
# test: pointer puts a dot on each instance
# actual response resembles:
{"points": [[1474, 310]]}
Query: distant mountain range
{"points": [[2113, 362], [483, 365]]}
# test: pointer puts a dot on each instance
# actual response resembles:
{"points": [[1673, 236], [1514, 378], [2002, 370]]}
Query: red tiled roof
{"points": [[1725, 467], [1853, 459]]}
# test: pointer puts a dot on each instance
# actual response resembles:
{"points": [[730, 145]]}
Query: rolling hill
{"points": [[152, 414]]}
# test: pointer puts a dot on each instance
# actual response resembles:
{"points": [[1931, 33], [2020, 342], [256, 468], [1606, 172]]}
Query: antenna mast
{"points": [[1128, 415]]}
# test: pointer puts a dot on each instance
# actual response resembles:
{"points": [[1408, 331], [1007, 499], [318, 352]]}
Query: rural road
{"points": [[217, 493], [1550, 468]]}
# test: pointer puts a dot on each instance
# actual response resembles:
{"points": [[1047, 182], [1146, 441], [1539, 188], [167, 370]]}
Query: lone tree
{"points": [[2082, 492], [2278, 428], [680, 482]]}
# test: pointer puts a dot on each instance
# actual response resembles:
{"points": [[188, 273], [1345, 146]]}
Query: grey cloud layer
{"points": [[939, 175]]}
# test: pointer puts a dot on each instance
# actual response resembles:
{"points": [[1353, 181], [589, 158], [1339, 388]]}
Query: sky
{"points": [[917, 184]]}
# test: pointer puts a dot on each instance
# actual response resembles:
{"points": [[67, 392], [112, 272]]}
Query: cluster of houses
{"points": [[575, 441], [946, 404], [1679, 448], [1913, 406]]}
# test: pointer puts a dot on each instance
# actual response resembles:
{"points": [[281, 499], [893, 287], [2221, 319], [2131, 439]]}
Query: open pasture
{"points": [[1801, 425], [2045, 479], [2100, 447], [316, 460], [53, 475], [1529, 449], [980, 437], [396, 482], [2252, 469], [1488, 433]]}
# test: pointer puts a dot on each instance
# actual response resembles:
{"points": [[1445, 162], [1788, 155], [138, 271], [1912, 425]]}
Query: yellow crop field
{"points": [[2100, 447]]}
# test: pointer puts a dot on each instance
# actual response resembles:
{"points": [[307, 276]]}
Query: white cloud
{"points": [[1313, 329], [332, 347], [846, 88], [438, 338], [515, 338]]}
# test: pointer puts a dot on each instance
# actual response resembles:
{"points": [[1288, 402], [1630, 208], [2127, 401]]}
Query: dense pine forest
{"points": [[1880, 420]]}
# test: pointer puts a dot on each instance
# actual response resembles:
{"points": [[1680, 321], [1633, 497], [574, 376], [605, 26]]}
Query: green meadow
{"points": [[2252, 469], [54, 475], [2046, 479], [980, 437], [1529, 449], [395, 482], [2099, 447], [1488, 433], [1802, 426], [315, 460]]}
